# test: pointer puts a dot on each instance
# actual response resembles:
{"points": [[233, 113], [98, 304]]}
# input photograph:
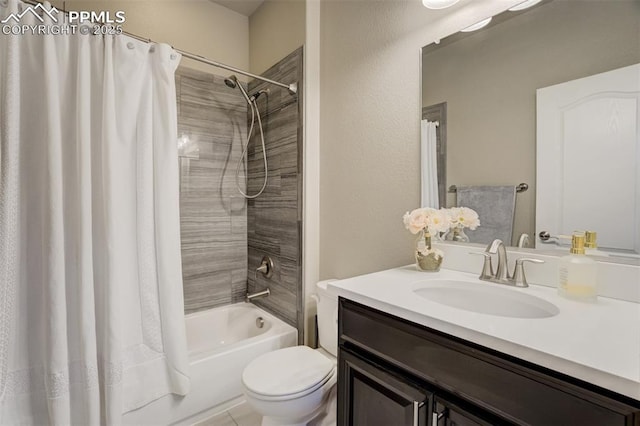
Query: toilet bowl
{"points": [[291, 386]]}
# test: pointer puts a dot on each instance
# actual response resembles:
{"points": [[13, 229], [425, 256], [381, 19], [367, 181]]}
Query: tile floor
{"points": [[240, 415], [243, 415]]}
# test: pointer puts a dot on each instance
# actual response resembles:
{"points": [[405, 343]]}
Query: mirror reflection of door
{"points": [[588, 165]]}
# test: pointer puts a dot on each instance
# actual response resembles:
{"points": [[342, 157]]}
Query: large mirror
{"points": [[486, 94]]}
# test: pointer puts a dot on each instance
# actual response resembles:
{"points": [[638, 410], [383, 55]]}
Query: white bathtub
{"points": [[222, 341]]}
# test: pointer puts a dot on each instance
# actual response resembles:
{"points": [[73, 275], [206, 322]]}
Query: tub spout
{"points": [[257, 294]]}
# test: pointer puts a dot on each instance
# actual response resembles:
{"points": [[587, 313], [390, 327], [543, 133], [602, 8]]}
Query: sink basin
{"points": [[485, 299]]}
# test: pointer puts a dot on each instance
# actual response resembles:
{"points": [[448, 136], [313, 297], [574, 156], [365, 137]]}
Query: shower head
{"points": [[232, 82]]}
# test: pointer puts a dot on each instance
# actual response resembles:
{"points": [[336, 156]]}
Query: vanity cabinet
{"points": [[394, 372]]}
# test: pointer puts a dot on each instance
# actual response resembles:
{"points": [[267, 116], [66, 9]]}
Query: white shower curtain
{"points": [[429, 153], [91, 308]]}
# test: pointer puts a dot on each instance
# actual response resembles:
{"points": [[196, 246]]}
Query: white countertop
{"points": [[596, 342]]}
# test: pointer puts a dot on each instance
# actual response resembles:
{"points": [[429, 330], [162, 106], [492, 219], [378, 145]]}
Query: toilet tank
{"points": [[327, 318]]}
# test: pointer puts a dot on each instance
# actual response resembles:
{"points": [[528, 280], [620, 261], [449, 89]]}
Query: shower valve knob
{"points": [[266, 267]]}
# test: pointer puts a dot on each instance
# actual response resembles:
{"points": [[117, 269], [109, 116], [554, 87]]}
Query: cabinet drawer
{"points": [[515, 392]]}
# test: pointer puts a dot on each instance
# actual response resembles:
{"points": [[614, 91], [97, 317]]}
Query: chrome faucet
{"points": [[250, 296], [523, 241], [502, 273], [502, 276]]}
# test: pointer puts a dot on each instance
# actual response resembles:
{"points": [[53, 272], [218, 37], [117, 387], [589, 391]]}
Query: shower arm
{"points": [[292, 88]]}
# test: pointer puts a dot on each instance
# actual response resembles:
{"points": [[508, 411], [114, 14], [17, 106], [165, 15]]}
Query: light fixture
{"points": [[477, 25], [438, 4], [524, 5]]}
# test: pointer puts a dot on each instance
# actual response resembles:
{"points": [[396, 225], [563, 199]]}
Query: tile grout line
{"points": [[232, 419]]}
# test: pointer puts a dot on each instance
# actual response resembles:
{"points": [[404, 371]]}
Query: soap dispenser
{"points": [[591, 245], [578, 274]]}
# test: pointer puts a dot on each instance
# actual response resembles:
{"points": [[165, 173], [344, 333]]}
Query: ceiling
{"points": [[244, 7]]}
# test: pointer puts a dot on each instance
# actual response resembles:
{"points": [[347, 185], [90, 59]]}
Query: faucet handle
{"points": [[266, 267], [519, 278], [487, 267]]}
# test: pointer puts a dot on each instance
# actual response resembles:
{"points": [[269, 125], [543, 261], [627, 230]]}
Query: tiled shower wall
{"points": [[212, 123], [224, 237], [275, 217]]}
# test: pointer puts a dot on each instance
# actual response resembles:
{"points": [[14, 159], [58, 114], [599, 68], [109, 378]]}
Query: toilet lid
{"points": [[287, 371]]}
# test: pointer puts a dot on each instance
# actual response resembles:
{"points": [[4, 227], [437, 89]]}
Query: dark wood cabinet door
{"points": [[370, 396]]}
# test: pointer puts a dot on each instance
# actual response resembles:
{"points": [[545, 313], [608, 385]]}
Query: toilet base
{"points": [[325, 415], [279, 421]]}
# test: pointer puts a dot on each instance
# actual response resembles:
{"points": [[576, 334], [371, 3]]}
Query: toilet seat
{"points": [[288, 373], [289, 397]]}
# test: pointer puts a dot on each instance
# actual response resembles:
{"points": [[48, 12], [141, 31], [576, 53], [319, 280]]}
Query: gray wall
{"points": [[489, 81], [275, 218], [211, 124]]}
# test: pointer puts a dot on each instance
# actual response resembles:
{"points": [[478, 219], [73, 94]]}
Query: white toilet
{"points": [[292, 386]]}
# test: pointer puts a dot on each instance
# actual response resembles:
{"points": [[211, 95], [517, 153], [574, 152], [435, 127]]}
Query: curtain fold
{"points": [[429, 153], [91, 307]]}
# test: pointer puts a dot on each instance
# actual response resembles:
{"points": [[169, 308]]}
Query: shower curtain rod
{"points": [[292, 88]]}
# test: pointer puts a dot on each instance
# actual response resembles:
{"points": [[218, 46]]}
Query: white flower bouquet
{"points": [[463, 217], [429, 222]]}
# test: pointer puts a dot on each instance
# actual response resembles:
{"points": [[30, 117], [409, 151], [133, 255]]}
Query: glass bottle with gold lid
{"points": [[578, 274]]}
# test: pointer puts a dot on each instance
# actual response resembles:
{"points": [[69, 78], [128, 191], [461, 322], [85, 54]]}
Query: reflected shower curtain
{"points": [[429, 153], [91, 308]]}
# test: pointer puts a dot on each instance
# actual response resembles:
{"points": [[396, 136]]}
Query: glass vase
{"points": [[457, 234], [427, 258]]}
